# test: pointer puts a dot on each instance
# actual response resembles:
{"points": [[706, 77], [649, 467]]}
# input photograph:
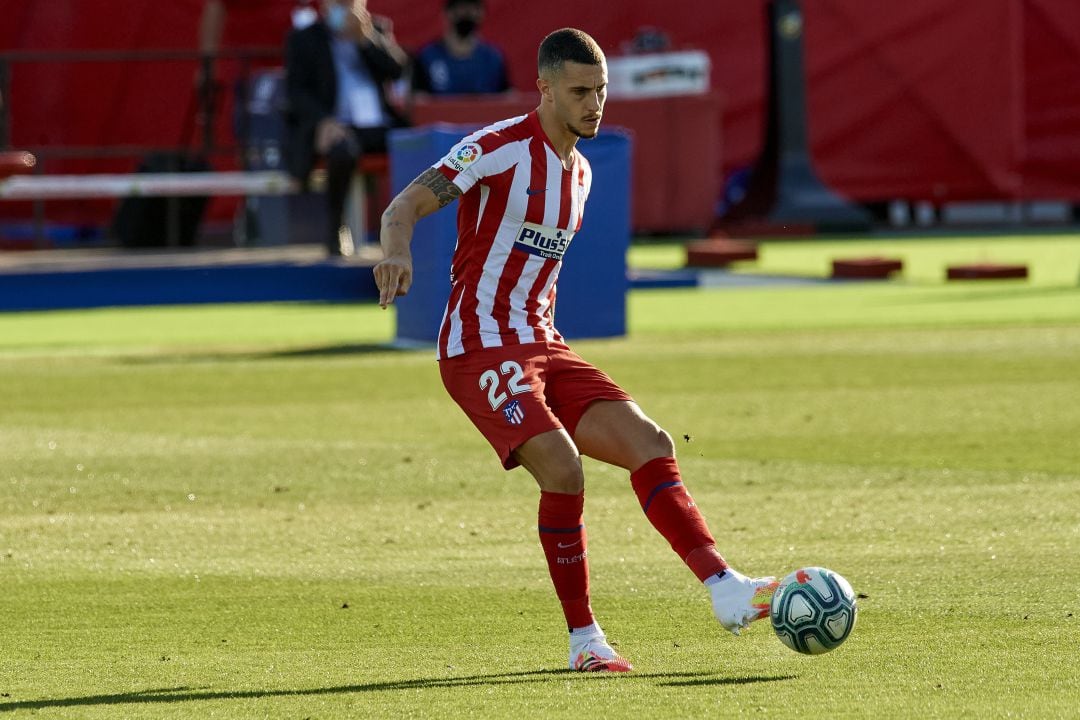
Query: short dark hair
{"points": [[450, 4], [568, 44]]}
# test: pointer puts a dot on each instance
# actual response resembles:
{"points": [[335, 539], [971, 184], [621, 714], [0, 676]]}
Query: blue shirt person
{"points": [[460, 62]]}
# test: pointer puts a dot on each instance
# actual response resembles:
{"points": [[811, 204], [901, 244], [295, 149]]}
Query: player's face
{"points": [[578, 93]]}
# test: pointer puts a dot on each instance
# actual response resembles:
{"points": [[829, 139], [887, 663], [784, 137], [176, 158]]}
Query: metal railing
{"points": [[204, 117]]}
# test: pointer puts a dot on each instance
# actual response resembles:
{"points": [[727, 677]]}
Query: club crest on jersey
{"points": [[513, 412], [543, 241], [463, 156]]}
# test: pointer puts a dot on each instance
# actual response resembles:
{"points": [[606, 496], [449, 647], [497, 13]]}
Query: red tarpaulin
{"points": [[925, 99]]}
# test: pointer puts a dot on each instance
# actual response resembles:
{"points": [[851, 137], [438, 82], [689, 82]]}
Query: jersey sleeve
{"points": [[465, 164]]}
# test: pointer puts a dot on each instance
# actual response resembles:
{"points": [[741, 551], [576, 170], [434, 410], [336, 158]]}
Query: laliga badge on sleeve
{"points": [[462, 156]]}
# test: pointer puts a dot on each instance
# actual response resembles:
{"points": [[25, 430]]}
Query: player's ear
{"points": [[544, 86]]}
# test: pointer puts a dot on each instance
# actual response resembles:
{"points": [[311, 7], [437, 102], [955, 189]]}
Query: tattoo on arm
{"points": [[389, 219], [445, 191]]}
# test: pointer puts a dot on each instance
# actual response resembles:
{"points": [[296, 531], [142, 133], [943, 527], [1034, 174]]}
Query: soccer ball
{"points": [[813, 610]]}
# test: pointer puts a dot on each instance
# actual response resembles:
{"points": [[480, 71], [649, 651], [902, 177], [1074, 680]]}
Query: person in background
{"points": [[241, 25], [460, 63], [254, 22], [336, 70], [215, 14]]}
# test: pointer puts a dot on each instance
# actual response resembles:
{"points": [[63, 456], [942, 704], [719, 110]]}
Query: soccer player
{"points": [[522, 185]]}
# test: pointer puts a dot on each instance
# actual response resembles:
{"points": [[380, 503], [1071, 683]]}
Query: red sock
{"points": [[672, 512], [562, 535]]}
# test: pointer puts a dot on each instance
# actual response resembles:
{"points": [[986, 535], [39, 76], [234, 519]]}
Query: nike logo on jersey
{"points": [[563, 546], [543, 241], [536, 191]]}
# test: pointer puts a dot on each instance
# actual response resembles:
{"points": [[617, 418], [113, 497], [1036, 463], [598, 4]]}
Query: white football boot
{"points": [[591, 653], [738, 600]]}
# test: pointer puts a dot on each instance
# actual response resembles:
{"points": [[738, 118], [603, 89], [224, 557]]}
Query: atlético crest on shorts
{"points": [[513, 412]]}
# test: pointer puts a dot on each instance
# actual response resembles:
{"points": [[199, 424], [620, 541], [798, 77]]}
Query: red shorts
{"points": [[516, 392]]}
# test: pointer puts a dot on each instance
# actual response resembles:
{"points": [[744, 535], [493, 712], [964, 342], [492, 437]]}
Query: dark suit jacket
{"points": [[311, 89]]}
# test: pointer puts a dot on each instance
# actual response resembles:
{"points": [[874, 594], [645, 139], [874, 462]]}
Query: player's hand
{"points": [[393, 276]]}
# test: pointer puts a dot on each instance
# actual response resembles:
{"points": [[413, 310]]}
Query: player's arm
{"points": [[424, 195]]}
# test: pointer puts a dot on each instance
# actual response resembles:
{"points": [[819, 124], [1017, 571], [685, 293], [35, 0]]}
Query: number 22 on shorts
{"points": [[489, 381]]}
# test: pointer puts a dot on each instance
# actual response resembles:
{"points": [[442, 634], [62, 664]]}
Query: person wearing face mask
{"points": [[460, 62], [336, 70]]}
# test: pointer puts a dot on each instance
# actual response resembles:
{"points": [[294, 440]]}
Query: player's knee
{"points": [[662, 444], [567, 479], [651, 440]]}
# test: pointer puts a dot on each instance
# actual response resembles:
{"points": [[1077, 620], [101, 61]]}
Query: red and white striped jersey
{"points": [[517, 214]]}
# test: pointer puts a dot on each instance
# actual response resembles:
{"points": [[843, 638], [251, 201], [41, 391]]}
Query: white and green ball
{"points": [[813, 610]]}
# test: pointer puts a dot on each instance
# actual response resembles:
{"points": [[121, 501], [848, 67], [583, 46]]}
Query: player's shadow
{"points": [[320, 351], [187, 694], [330, 351], [699, 681]]}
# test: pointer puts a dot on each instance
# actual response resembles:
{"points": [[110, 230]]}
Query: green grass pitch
{"points": [[259, 511]]}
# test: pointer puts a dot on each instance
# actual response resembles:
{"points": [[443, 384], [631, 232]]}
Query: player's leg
{"points": [[523, 431], [554, 463], [553, 460], [619, 433]]}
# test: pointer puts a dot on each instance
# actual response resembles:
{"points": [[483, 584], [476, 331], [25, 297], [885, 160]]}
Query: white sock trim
{"points": [[586, 632]]}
